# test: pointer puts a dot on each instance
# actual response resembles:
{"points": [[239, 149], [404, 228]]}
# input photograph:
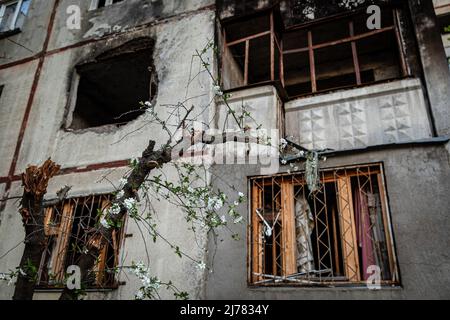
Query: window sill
{"points": [[337, 287], [60, 290], [10, 33]]}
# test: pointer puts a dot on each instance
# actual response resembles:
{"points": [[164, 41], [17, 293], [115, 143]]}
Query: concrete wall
{"points": [[373, 115], [178, 28], [72, 148], [30, 40], [17, 83], [164, 263], [434, 63], [441, 6], [117, 18], [263, 104], [418, 180]]}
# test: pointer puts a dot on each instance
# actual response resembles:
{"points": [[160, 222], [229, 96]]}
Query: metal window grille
{"points": [[333, 236], [68, 227]]}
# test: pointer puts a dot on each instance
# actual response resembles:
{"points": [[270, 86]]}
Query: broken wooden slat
{"points": [[62, 242], [257, 245], [288, 229], [348, 229]]}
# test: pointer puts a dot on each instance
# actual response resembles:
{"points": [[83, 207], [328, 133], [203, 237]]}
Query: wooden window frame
{"points": [[277, 44], [351, 39], [60, 234], [341, 177]]}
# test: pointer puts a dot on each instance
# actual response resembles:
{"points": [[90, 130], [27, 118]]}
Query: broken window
{"points": [[302, 11], [111, 88], [251, 51], [338, 235], [68, 227], [13, 14], [319, 56], [95, 4]]}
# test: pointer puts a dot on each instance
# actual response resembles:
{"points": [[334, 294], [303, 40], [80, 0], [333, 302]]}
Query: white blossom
{"points": [[223, 219], [214, 203], [283, 144], [120, 194], [149, 283], [139, 295], [284, 161], [104, 223], [218, 91], [238, 220], [148, 104], [129, 203], [214, 221], [123, 181], [115, 209], [11, 281], [201, 266], [241, 195]]}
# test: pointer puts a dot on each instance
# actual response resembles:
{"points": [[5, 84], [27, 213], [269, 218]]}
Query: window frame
{"points": [[277, 44], [109, 54], [288, 260], [3, 6], [95, 3], [61, 233], [352, 40], [274, 42]]}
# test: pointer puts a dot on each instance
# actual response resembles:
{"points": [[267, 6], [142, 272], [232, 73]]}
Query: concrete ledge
{"points": [[393, 112], [354, 94]]}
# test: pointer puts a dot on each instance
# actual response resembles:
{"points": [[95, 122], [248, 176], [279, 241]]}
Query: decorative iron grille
{"points": [[340, 234], [68, 227]]}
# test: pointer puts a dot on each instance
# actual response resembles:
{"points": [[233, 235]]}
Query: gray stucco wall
{"points": [[418, 187], [179, 28]]}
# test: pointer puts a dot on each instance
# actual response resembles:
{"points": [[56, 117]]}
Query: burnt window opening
{"points": [[252, 51], [96, 4], [335, 236], [111, 88], [329, 54], [302, 11]]}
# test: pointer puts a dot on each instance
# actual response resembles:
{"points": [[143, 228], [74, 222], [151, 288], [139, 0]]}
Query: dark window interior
{"points": [[444, 23], [75, 222], [343, 52], [109, 91], [102, 3]]}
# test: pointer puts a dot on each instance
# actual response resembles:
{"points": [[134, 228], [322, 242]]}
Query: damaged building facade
{"points": [[371, 102]]}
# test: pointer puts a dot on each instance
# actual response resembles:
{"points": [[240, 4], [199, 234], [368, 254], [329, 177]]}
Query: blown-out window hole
{"points": [[111, 89]]}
